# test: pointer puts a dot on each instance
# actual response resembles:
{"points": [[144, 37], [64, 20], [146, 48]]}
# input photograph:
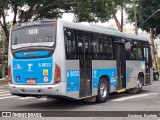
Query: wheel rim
{"points": [[103, 90], [156, 77], [139, 84]]}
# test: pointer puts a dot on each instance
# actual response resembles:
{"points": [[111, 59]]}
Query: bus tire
{"points": [[103, 91], [156, 76], [137, 89]]}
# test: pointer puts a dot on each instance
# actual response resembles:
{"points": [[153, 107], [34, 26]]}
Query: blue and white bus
{"points": [[56, 58]]}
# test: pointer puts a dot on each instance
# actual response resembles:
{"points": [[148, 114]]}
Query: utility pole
{"points": [[135, 17], [153, 48]]}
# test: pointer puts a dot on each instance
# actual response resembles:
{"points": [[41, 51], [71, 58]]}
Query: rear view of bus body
{"points": [[63, 59]]}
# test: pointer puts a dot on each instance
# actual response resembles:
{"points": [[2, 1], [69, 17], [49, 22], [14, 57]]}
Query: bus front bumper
{"points": [[36, 90]]}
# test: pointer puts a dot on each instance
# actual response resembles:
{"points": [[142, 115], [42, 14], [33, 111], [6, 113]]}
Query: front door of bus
{"points": [[148, 60], [85, 64], [121, 65]]}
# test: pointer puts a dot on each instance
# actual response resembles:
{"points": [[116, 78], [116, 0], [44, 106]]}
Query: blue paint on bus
{"points": [[33, 53], [127, 77], [39, 70], [97, 73], [72, 80]]}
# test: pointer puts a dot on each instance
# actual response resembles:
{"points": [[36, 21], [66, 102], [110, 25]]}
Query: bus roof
{"points": [[91, 27], [100, 29]]}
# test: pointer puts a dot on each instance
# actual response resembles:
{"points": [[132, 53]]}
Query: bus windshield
{"points": [[33, 36]]}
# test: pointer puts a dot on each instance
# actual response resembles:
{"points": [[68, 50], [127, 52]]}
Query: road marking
{"points": [[4, 89], [4, 86], [134, 96], [42, 99], [24, 98], [4, 92], [8, 97], [5, 95]]}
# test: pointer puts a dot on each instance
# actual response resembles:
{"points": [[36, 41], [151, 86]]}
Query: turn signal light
{"points": [[57, 74]]}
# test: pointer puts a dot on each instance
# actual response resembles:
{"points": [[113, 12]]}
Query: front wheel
{"points": [[139, 85], [156, 76], [138, 88], [103, 91]]}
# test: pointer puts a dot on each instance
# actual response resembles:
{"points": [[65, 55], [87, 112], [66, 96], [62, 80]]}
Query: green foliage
{"points": [[40, 9], [98, 10], [84, 10], [145, 8]]}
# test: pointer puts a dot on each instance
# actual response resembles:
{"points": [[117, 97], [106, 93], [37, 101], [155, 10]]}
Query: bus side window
{"points": [[95, 46], [146, 57], [70, 43], [101, 46], [127, 48], [136, 50], [108, 47]]}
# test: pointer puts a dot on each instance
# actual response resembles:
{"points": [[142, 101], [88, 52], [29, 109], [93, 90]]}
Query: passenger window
{"points": [[146, 56], [107, 47], [127, 48], [101, 46], [136, 50], [95, 46], [70, 43]]}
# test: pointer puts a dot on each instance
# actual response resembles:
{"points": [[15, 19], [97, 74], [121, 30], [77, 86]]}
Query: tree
{"points": [[145, 8], [84, 10], [29, 10], [119, 5], [147, 19], [101, 10]]}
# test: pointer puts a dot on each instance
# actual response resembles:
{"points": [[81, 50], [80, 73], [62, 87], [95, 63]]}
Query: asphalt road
{"points": [[148, 100]]}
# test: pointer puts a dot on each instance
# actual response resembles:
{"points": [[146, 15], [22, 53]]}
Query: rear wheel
{"points": [[103, 91]]}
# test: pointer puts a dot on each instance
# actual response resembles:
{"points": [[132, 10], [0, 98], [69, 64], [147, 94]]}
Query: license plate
{"points": [[31, 81]]}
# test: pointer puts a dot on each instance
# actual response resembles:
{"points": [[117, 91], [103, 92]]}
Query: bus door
{"points": [[121, 65], [85, 63], [148, 65]]}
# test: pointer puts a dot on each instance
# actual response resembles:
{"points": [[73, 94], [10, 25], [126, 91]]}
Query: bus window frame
{"points": [[30, 26], [51, 49], [138, 41]]}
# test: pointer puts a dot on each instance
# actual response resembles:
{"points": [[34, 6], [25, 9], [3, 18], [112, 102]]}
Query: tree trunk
{"points": [[135, 17], [153, 49], [117, 22], [4, 26], [121, 19], [119, 25], [15, 10]]}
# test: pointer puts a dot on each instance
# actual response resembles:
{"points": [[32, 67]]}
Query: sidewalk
{"points": [[3, 82]]}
